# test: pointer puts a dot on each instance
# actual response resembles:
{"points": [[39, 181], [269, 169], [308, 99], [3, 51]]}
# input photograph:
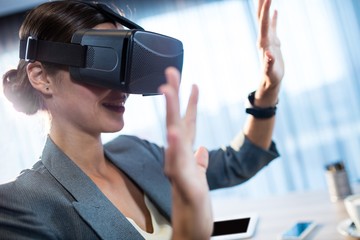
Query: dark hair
{"points": [[53, 21]]}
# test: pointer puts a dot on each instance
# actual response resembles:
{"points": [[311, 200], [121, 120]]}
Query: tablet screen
{"points": [[231, 226], [236, 226]]}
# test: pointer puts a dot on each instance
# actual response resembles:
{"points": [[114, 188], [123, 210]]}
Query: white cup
{"points": [[352, 205]]}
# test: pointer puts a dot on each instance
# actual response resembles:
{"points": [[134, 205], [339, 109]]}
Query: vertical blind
{"points": [[318, 118]]}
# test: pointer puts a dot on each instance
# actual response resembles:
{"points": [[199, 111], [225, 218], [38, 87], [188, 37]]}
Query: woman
{"points": [[81, 189]]}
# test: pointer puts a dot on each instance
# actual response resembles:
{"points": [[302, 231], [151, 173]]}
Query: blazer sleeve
{"points": [[229, 166], [17, 220]]}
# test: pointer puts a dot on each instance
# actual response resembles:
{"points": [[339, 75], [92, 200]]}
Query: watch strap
{"points": [[257, 112]]}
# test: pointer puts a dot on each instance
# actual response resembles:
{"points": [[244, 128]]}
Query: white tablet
{"points": [[235, 226]]}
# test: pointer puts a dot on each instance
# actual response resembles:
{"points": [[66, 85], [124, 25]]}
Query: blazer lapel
{"points": [[91, 204], [145, 171]]}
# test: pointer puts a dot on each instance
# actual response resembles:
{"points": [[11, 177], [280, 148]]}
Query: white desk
{"points": [[278, 213]]}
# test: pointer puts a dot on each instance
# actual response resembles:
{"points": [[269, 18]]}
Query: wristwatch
{"points": [[258, 112]]}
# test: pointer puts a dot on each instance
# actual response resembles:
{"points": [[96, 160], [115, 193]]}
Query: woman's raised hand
{"points": [[191, 210]]}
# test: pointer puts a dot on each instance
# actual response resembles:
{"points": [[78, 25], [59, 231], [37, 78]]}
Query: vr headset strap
{"points": [[116, 17], [32, 49]]}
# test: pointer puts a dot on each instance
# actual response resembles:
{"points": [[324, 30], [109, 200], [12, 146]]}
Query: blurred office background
{"points": [[318, 118]]}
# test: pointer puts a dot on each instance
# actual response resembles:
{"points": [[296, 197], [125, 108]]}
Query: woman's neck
{"points": [[84, 149]]}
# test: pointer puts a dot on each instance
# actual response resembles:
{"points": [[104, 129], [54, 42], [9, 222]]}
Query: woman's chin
{"points": [[112, 128]]}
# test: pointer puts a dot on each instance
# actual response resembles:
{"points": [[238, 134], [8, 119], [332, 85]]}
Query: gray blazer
{"points": [[56, 200]]}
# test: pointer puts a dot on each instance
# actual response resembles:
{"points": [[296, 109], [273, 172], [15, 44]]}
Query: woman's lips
{"points": [[115, 107]]}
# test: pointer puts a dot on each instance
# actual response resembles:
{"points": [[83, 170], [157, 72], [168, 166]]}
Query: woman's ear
{"points": [[38, 77]]}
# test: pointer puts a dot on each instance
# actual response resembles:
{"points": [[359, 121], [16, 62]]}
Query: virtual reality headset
{"points": [[131, 60]]}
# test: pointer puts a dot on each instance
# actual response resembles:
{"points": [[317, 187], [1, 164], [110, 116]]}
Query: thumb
{"points": [[202, 157], [268, 60]]}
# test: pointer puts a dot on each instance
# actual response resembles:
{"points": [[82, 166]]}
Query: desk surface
{"points": [[278, 213]]}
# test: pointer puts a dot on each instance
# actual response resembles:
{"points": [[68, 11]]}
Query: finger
{"points": [[171, 152], [202, 157], [264, 19], [191, 112], [268, 57], [179, 158], [268, 62], [274, 21], [172, 105], [173, 77], [259, 9], [170, 90]]}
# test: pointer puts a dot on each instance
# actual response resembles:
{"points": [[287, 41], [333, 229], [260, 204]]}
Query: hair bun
{"points": [[18, 90]]}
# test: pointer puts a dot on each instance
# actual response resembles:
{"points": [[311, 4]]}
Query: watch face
{"points": [[251, 98]]}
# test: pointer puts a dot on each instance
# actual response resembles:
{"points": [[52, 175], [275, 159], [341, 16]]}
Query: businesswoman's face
{"points": [[75, 106]]}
